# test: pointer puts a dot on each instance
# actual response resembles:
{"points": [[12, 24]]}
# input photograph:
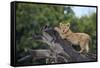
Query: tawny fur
{"points": [[81, 39]]}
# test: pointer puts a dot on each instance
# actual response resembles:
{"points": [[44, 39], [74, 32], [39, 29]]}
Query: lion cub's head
{"points": [[64, 27]]}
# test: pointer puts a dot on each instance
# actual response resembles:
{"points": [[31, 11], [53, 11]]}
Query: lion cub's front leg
{"points": [[63, 36], [60, 32], [57, 29]]}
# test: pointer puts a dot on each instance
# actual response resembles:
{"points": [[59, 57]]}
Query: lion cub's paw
{"points": [[56, 28]]}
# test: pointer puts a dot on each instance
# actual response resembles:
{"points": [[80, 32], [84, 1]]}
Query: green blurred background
{"points": [[31, 17]]}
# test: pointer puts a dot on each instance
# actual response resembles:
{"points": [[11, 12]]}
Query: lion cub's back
{"points": [[82, 36], [75, 38]]}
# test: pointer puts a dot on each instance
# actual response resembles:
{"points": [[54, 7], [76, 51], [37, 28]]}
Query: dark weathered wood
{"points": [[46, 54], [55, 48], [24, 58]]}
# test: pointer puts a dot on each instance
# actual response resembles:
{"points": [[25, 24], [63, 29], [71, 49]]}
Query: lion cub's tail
{"points": [[88, 45]]}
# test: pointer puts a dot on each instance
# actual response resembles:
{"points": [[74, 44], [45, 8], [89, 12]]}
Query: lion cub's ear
{"points": [[60, 24], [68, 24]]}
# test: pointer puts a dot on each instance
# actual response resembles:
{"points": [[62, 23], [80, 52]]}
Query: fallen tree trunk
{"points": [[46, 54]]}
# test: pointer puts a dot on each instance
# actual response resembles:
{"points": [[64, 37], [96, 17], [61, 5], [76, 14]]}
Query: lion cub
{"points": [[81, 39]]}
